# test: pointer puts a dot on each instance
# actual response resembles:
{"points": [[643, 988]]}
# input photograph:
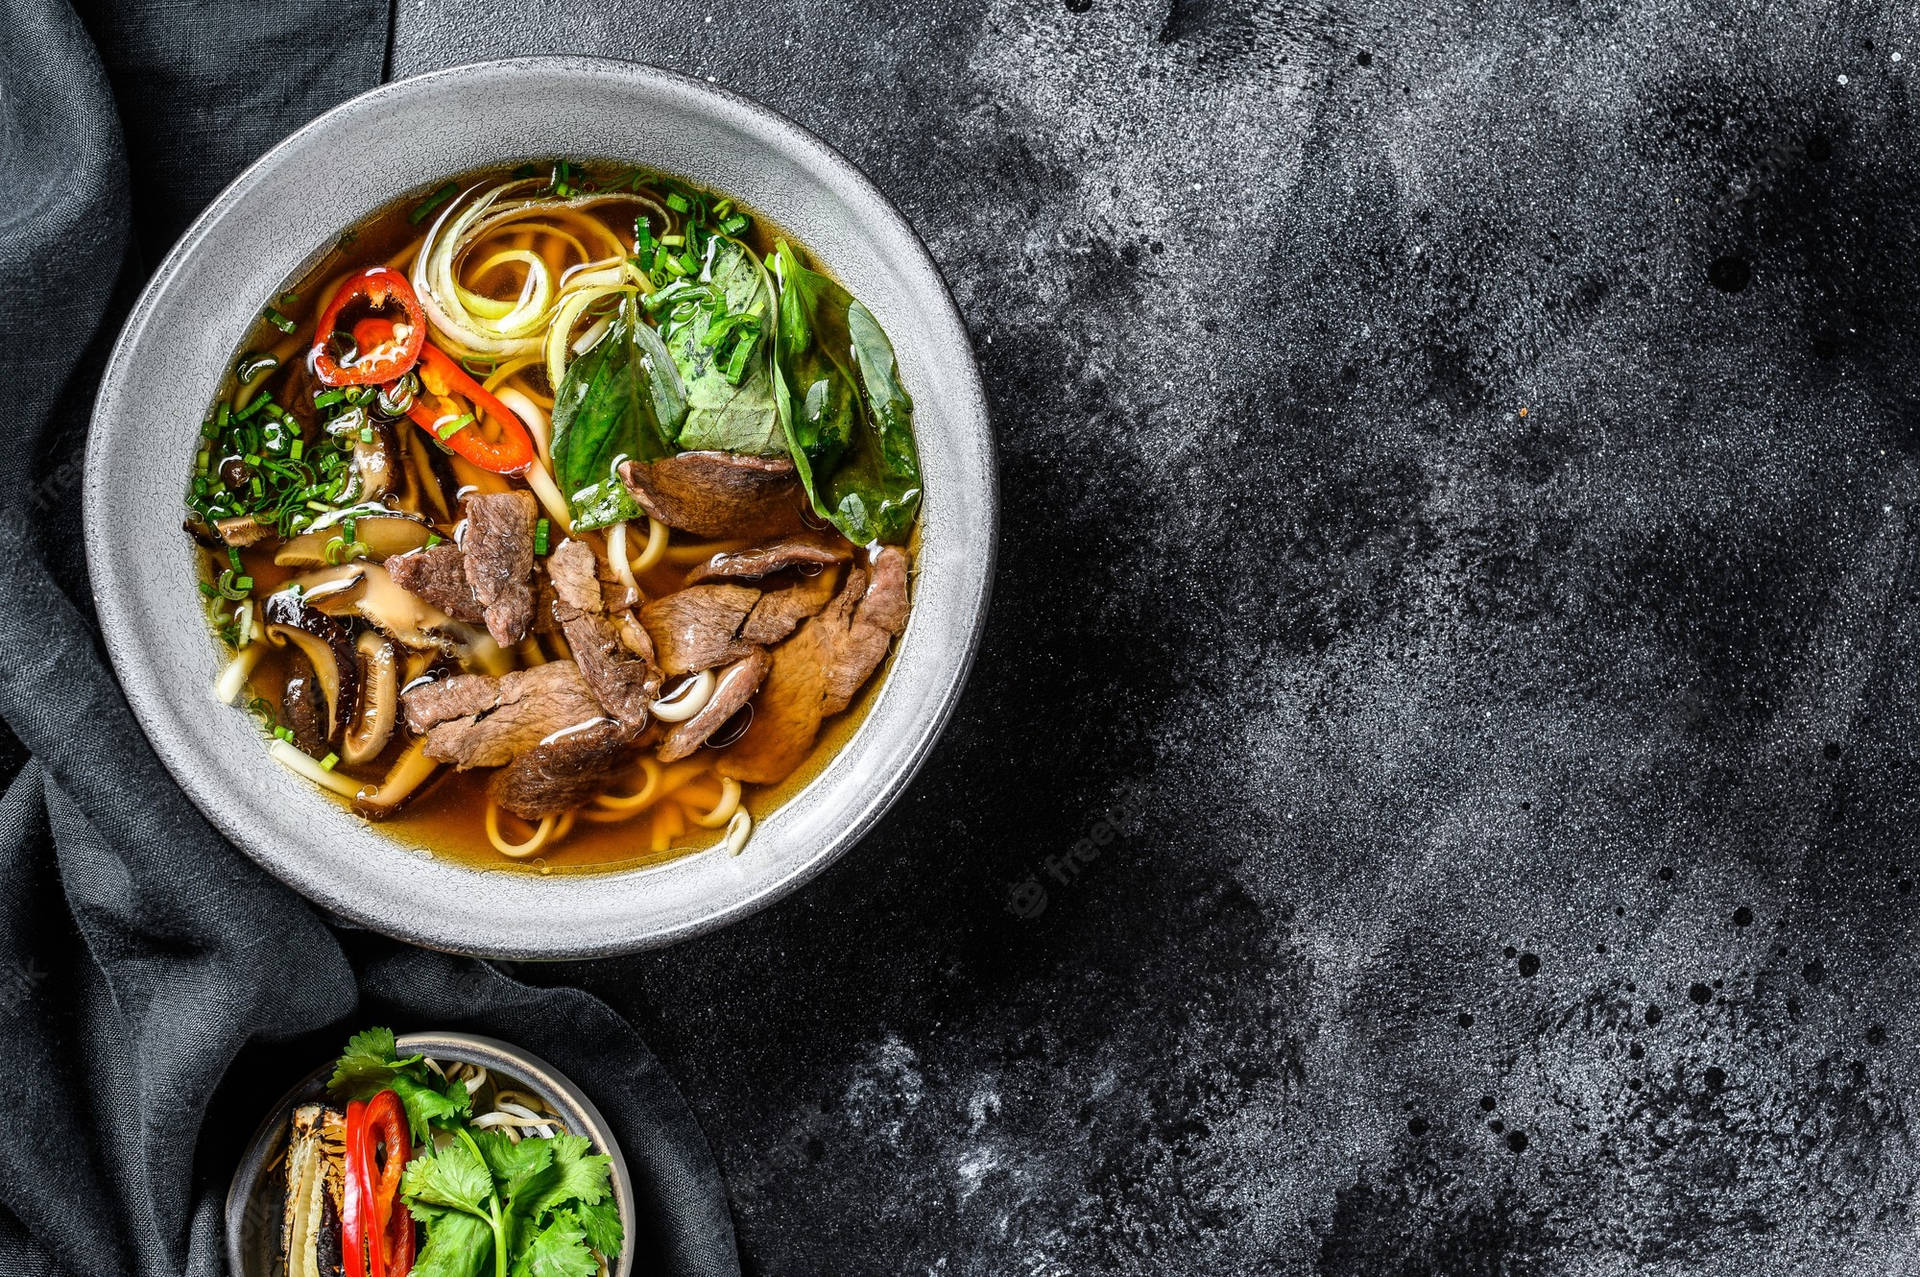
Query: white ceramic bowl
{"points": [[253, 1209], [277, 219]]}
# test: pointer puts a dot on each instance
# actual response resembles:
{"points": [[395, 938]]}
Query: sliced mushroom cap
{"points": [[371, 726], [324, 642], [367, 590], [376, 460], [404, 779], [384, 535], [242, 530], [301, 709]]}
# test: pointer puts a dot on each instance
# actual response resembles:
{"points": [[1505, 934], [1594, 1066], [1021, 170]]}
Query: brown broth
{"points": [[446, 817]]}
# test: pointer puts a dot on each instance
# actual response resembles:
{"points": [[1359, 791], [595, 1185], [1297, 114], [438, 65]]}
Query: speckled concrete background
{"points": [[1459, 583]]}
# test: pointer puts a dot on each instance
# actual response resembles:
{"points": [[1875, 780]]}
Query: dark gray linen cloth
{"points": [[157, 990]]}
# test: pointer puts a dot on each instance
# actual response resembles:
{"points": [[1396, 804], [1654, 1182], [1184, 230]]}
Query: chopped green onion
{"points": [[206, 588], [676, 201], [284, 733], [366, 434], [278, 320], [252, 367], [433, 539], [233, 557], [328, 764], [328, 398], [230, 586], [425, 208], [540, 533], [454, 427], [673, 266], [298, 449], [735, 224]]}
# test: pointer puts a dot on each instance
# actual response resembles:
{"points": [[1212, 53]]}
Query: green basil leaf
{"points": [[620, 399], [847, 419], [716, 331]]}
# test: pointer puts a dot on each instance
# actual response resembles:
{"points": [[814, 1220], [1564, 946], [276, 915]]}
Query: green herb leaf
{"points": [[457, 1245], [582, 1177], [369, 1066], [847, 419], [716, 332], [622, 398], [600, 1222], [558, 1250], [453, 1178], [515, 1166]]}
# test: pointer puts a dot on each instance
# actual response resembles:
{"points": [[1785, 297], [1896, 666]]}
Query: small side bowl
{"points": [[253, 1221], [275, 220]]}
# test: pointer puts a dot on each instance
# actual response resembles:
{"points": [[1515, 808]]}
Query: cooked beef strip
{"points": [[527, 706], [438, 574], [562, 772], [694, 629], [426, 705], [817, 671], [787, 713], [303, 709], [718, 494], [574, 570], [625, 682], [808, 548], [780, 610], [737, 684], [879, 617], [499, 550]]}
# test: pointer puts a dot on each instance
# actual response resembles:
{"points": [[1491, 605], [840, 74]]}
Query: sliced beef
{"points": [[818, 670], [303, 707], [427, 705], [806, 549], [499, 561], [561, 772], [876, 622], [718, 494], [697, 628], [787, 712], [780, 610], [438, 574], [626, 682], [736, 686], [522, 709], [574, 570]]}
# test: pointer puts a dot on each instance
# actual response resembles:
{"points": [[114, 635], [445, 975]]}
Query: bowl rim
{"points": [[862, 800], [556, 1088]]}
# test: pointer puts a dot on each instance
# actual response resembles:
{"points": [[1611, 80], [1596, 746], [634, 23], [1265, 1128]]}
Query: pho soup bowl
{"points": [[256, 1195], [278, 220]]}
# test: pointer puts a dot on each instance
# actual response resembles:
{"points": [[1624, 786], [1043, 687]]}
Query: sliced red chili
{"points": [[354, 1218], [447, 383], [377, 1234], [377, 289]]}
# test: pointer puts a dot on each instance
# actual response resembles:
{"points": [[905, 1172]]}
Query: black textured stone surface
{"points": [[1459, 468]]}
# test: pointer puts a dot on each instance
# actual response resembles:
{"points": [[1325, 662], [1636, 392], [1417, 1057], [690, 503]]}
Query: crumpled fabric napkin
{"points": [[157, 989]]}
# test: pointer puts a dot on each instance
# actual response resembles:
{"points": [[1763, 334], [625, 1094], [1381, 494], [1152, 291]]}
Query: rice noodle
{"points": [[724, 810], [739, 829], [542, 834], [686, 700], [625, 568]]}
